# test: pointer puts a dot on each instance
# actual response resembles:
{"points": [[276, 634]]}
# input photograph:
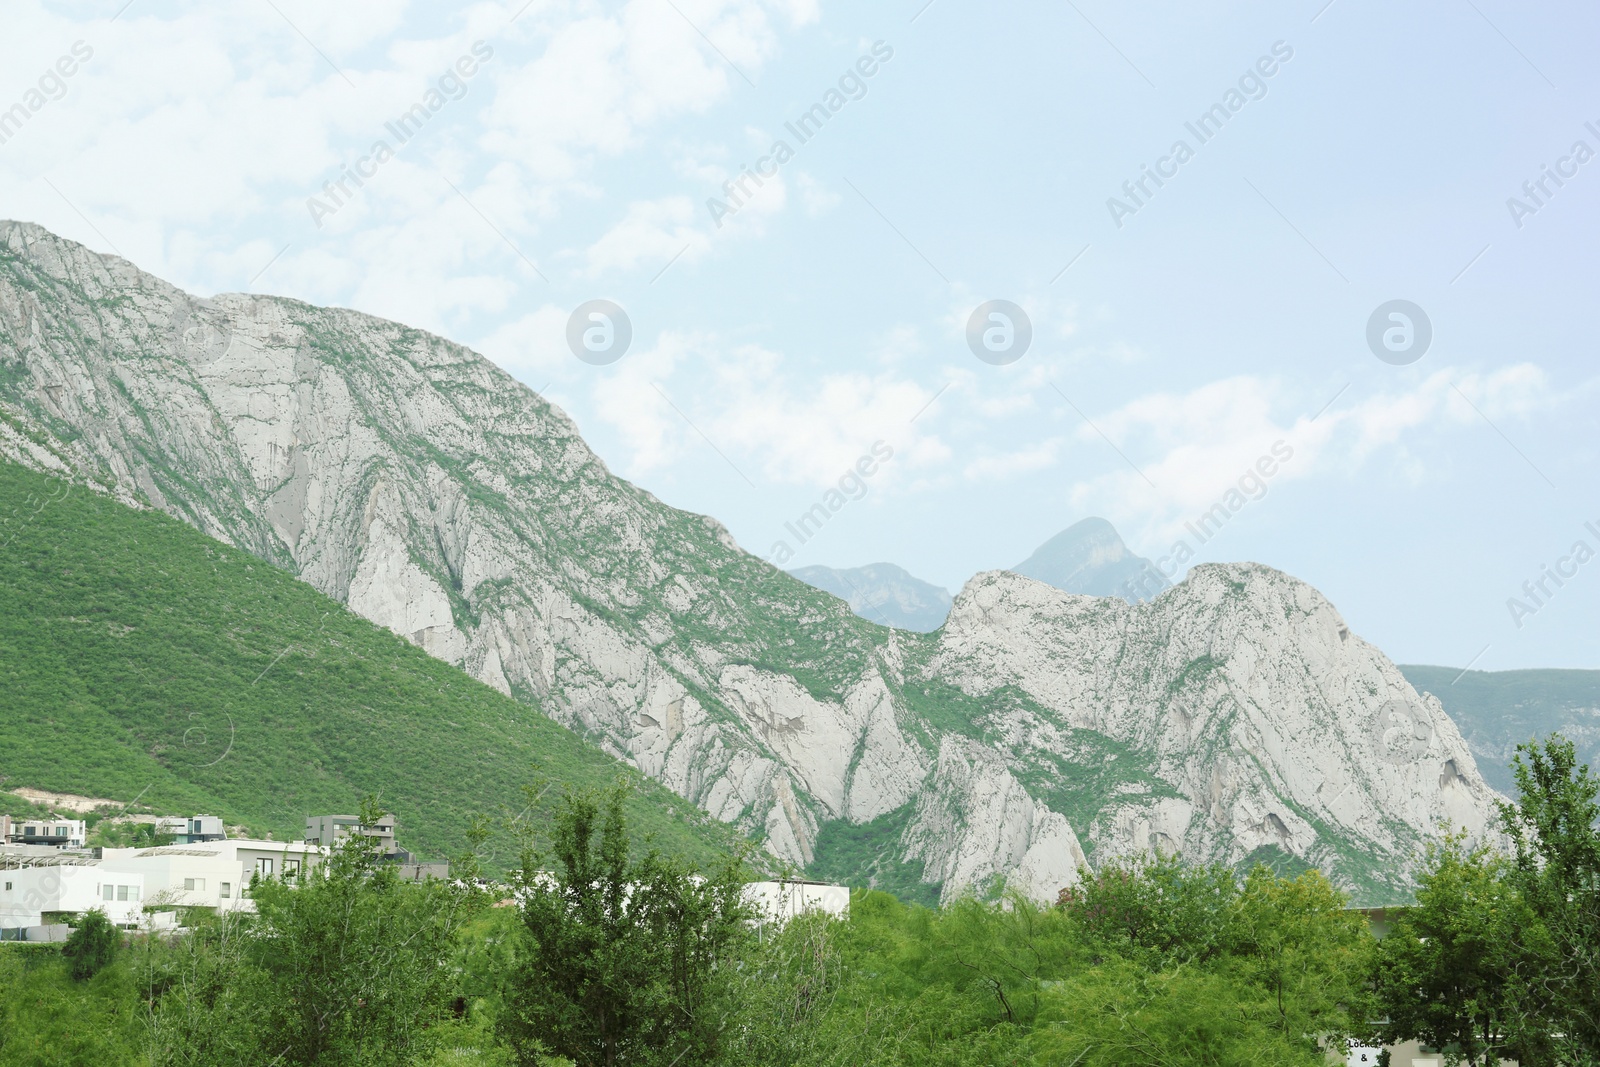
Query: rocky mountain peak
{"points": [[1090, 557]]}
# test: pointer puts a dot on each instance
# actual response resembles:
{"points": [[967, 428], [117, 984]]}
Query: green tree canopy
{"points": [[622, 958], [92, 945]]}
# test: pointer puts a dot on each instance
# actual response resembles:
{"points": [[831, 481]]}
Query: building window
{"points": [[264, 867], [291, 868], [108, 892], [133, 892], [194, 884], [122, 892], [8, 887], [227, 890]]}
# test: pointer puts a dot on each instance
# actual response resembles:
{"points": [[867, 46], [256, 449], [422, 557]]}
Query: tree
{"points": [[1556, 843], [343, 964], [1295, 937], [621, 959], [91, 946], [1452, 971], [1120, 1014], [1154, 906]]}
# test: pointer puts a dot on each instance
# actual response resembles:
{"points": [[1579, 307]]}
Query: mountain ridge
{"points": [[1498, 710], [412, 480], [1088, 558], [145, 662], [883, 593]]}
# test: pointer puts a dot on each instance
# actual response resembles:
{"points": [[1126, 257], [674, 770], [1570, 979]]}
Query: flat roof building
{"points": [[330, 830], [56, 833], [210, 874], [48, 891]]}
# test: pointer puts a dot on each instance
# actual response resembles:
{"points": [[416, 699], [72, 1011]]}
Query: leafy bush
{"points": [[1154, 905], [621, 959], [343, 964], [91, 946]]}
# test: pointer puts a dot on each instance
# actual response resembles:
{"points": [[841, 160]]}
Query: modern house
{"points": [[195, 829], [329, 830], [38, 894], [209, 874], [56, 833]]}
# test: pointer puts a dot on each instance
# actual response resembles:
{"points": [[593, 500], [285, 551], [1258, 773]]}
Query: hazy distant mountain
{"points": [[1498, 710], [883, 593], [1089, 557]]}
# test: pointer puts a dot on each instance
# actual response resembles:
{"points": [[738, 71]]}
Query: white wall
{"points": [[69, 887], [782, 901], [197, 875]]}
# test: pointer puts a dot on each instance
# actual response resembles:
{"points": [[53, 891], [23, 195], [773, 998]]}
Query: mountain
{"points": [[145, 662], [1089, 557], [883, 593], [1498, 710], [1233, 718]]}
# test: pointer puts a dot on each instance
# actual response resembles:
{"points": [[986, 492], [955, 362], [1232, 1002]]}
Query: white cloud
{"points": [[532, 346], [1195, 446], [747, 401], [1003, 466], [652, 234], [817, 198]]}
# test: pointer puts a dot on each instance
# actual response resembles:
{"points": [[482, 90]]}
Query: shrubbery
{"points": [[605, 955], [92, 946]]}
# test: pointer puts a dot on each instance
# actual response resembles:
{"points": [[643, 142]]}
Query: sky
{"points": [[1192, 221]]}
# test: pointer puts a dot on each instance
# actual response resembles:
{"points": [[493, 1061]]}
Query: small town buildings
{"points": [[48, 877]]}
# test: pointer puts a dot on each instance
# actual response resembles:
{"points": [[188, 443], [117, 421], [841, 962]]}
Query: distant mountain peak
{"points": [[1090, 558], [883, 593]]}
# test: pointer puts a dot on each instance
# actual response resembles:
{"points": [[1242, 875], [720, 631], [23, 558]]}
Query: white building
{"points": [[57, 833], [47, 892], [781, 901], [210, 874]]}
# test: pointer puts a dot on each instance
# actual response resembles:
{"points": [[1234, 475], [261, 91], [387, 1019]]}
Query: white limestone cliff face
{"points": [[1250, 696], [414, 481], [1030, 846]]}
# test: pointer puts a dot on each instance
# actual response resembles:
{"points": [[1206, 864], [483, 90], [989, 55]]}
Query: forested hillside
{"points": [[141, 660]]}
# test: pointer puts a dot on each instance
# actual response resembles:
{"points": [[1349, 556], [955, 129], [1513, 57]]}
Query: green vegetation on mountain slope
{"points": [[1499, 710], [140, 660]]}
